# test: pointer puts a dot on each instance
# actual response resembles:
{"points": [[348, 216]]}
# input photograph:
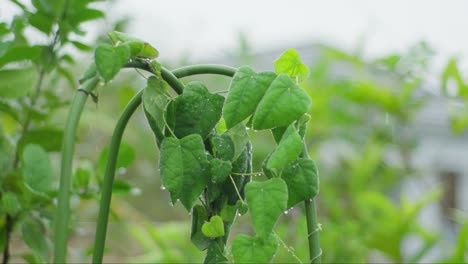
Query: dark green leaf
{"points": [[155, 102], [183, 166], [214, 228], [33, 235], [16, 82], [223, 146], [121, 187], [199, 216], [245, 92], [283, 103], [42, 21], [49, 139], [197, 111], [288, 149], [109, 60], [301, 177], [267, 200], [220, 170], [248, 249], [290, 63], [214, 255], [36, 168]]}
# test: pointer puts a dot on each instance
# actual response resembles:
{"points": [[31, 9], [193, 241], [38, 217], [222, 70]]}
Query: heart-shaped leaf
{"points": [[223, 146], [196, 111], [290, 63], [110, 59], [184, 166], [154, 103], [245, 92], [219, 170], [214, 228], [282, 103], [248, 249], [288, 149], [301, 177], [267, 200]]}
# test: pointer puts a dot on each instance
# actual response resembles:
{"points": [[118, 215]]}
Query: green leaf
{"points": [[197, 111], [49, 139], [36, 168], [33, 235], [10, 203], [199, 216], [223, 146], [288, 149], [81, 46], [81, 178], [125, 157], [283, 103], [214, 228], [138, 48], [220, 170], [121, 187], [109, 60], [267, 200], [290, 63], [154, 103], [183, 166], [245, 92], [215, 255], [21, 53], [16, 82], [301, 177], [239, 137], [228, 213], [248, 249]]}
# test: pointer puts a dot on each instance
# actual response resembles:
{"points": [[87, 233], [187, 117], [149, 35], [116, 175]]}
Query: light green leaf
{"points": [[220, 170], [245, 92], [36, 168], [109, 60], [301, 177], [81, 178], [33, 235], [125, 157], [21, 53], [199, 217], [288, 149], [239, 137], [290, 63], [10, 203], [214, 228], [248, 249], [155, 102], [267, 200], [183, 166], [283, 103], [16, 82], [196, 111], [138, 48]]}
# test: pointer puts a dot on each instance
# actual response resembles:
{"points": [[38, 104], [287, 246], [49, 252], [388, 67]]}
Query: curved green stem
{"points": [[62, 215], [101, 228]]}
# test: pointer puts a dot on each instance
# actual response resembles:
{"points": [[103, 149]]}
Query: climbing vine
{"points": [[205, 150]]}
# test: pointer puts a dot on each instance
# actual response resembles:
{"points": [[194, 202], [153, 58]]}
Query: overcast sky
{"points": [[210, 27]]}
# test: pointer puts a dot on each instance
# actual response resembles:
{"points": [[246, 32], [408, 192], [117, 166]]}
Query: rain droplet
{"points": [[163, 187], [286, 212], [135, 191], [121, 170]]}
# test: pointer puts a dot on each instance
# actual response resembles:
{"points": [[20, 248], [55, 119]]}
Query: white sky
{"points": [[210, 27]]}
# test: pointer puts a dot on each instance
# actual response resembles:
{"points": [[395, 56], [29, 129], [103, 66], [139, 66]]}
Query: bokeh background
{"points": [[388, 127]]}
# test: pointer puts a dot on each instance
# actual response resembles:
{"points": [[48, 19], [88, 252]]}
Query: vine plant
{"points": [[205, 151]]}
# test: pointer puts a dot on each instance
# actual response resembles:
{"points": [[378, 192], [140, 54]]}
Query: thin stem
{"points": [[8, 229], [171, 78], [237, 190], [313, 227], [62, 215]]}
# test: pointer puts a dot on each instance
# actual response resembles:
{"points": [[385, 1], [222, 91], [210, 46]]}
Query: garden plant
{"points": [[205, 151]]}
